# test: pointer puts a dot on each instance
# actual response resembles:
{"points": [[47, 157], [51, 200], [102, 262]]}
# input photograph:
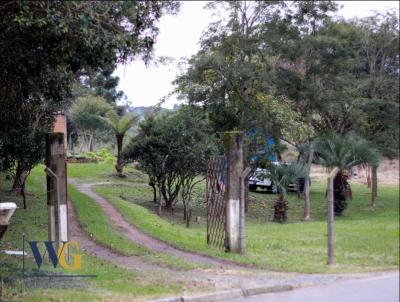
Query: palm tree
{"points": [[282, 176], [120, 125], [334, 151]]}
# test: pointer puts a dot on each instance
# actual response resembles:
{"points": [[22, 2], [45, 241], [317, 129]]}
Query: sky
{"points": [[178, 38]]}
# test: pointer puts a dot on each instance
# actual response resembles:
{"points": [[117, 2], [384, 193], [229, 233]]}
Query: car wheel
{"points": [[253, 187]]}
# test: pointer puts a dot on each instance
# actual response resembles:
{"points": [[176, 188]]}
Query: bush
{"points": [[103, 155]]}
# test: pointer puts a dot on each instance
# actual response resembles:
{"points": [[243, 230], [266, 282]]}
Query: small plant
{"points": [[282, 175], [103, 155]]}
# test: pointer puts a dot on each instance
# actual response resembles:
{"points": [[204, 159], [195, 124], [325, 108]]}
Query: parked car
{"points": [[259, 179]]}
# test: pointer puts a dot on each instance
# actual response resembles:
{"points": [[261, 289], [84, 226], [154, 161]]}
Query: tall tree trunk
{"points": [[119, 165], [19, 178], [368, 171], [184, 210], [374, 190], [21, 174], [188, 215], [23, 193], [152, 184], [83, 143], [308, 168], [159, 199], [91, 139]]}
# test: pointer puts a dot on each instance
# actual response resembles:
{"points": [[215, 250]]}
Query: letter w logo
{"points": [[39, 258], [57, 259]]}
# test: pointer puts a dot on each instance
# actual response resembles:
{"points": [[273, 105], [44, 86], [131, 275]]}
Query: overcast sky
{"points": [[178, 38]]}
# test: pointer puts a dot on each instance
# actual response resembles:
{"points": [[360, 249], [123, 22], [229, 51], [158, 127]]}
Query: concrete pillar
{"points": [[234, 151]]}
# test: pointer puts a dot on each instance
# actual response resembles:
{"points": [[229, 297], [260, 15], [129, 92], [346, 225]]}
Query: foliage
{"points": [[46, 46], [104, 84], [102, 155], [367, 239], [344, 153], [120, 125], [379, 81], [172, 149], [231, 69], [88, 114], [282, 176], [111, 281]]}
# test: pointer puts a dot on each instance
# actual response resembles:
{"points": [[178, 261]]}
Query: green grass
{"points": [[95, 223], [366, 239], [93, 172], [111, 284]]}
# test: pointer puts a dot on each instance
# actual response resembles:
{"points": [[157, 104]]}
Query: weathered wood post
{"points": [[242, 216], [234, 146], [374, 185], [330, 217], [56, 169]]}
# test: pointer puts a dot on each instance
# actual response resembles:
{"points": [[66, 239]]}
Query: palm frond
{"points": [[126, 122], [286, 174], [344, 152]]}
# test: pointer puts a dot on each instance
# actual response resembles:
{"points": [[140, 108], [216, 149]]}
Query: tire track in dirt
{"points": [[118, 222], [88, 244], [223, 274]]}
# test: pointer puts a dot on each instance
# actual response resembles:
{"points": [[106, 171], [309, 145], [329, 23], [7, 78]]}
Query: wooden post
{"points": [[374, 186], [56, 188], [330, 218], [242, 215], [234, 142]]}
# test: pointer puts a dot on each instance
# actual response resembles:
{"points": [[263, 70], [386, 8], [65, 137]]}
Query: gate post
{"points": [[234, 146], [56, 169]]}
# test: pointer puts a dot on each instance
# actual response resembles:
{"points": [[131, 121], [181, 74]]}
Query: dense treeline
{"points": [[292, 70], [48, 46]]}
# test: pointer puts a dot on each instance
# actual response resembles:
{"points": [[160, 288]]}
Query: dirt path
{"points": [[222, 275], [88, 244], [118, 222]]}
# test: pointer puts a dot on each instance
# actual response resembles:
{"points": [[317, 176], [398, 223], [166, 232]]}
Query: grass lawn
{"points": [[366, 239], [111, 284], [95, 223]]}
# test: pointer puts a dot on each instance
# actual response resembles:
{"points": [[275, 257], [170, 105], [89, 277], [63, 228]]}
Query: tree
{"points": [[88, 113], [229, 73], [334, 151], [197, 144], [303, 68], [379, 95], [172, 149], [282, 176], [101, 83], [120, 125], [46, 46]]}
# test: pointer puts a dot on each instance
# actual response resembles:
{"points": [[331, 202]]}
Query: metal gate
{"points": [[216, 205]]}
